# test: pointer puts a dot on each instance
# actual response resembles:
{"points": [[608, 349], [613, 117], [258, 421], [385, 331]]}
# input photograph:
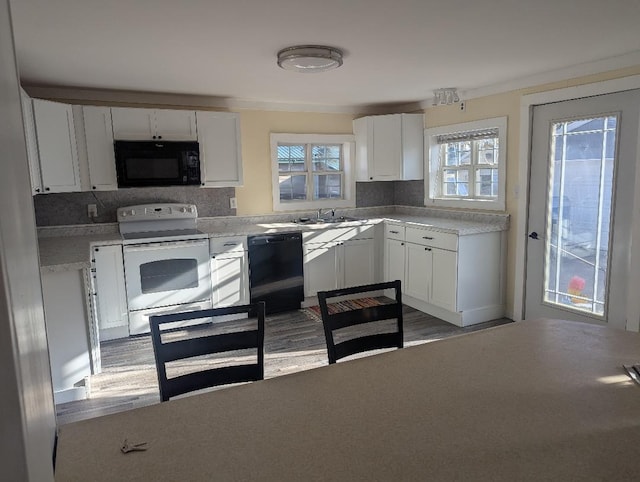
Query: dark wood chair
{"points": [[172, 350], [343, 319]]}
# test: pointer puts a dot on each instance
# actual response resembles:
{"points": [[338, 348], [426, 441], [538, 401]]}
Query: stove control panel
{"points": [[157, 212]]}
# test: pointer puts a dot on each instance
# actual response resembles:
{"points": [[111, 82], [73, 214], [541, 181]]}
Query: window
{"points": [[312, 171], [467, 165]]}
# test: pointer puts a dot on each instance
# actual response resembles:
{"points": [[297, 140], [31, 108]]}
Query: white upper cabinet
{"points": [[389, 147], [32, 143], [56, 141], [100, 155], [220, 151], [152, 124]]}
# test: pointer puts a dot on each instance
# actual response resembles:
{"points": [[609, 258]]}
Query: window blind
{"points": [[468, 136]]}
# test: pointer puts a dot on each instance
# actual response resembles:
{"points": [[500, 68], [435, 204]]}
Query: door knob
{"points": [[534, 235]]}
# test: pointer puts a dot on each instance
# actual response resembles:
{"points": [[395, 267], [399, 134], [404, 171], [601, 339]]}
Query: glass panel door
{"points": [[579, 213], [581, 196]]}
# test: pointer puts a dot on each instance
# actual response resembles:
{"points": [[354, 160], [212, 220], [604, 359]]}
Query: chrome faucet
{"points": [[321, 213]]}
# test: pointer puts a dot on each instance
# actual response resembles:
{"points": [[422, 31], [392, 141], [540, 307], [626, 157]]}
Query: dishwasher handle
{"points": [[259, 240]]}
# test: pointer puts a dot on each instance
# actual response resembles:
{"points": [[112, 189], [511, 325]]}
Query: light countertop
{"points": [[69, 249]]}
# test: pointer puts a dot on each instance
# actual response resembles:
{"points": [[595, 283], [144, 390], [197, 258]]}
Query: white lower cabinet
{"points": [[455, 278], [394, 260], [338, 258], [68, 336], [109, 292], [418, 271], [358, 258], [229, 271]]}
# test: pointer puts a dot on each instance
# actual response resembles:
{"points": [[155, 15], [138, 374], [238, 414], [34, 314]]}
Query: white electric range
{"points": [[166, 261]]}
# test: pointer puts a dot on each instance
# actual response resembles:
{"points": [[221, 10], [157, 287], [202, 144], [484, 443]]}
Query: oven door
{"points": [[167, 273]]}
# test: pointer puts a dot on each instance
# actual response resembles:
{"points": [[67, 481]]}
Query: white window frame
{"points": [[432, 188], [348, 189]]}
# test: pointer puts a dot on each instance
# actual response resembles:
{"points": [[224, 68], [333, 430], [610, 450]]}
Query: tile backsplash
{"points": [[389, 193], [71, 208]]}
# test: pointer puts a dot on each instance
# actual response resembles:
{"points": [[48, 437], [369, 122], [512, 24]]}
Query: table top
{"points": [[535, 400]]}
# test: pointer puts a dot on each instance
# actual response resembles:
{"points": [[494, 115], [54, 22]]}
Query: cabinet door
{"points": [[229, 275], [133, 124], [100, 155], [109, 287], [220, 154], [320, 270], [358, 262], [418, 271], [32, 144], [394, 261], [175, 125], [444, 280], [387, 148], [412, 147], [57, 146]]}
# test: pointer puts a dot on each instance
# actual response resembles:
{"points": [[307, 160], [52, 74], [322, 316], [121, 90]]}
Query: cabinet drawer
{"points": [[428, 237], [394, 231], [227, 244]]}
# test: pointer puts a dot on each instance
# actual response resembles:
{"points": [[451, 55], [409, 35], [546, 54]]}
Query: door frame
{"points": [[527, 102]]}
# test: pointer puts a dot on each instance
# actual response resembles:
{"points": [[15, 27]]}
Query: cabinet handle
{"points": [[427, 237], [427, 249], [97, 249], [94, 187], [395, 232], [401, 244], [371, 179], [47, 189], [37, 189], [154, 137], [159, 137]]}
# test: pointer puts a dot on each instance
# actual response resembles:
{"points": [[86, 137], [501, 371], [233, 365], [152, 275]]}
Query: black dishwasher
{"points": [[275, 271]]}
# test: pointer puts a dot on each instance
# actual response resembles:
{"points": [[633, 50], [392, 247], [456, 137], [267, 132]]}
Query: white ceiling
{"points": [[396, 51]]}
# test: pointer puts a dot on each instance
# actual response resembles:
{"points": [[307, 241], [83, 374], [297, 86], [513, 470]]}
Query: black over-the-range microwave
{"points": [[157, 163]]}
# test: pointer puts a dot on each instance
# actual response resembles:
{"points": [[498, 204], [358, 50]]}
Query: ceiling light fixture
{"points": [[310, 58], [445, 96]]}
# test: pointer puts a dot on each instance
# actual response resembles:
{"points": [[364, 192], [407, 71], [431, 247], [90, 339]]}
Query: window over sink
{"points": [[311, 171]]}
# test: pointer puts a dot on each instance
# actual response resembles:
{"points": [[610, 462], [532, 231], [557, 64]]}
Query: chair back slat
{"points": [[347, 318], [213, 377], [367, 343], [173, 350], [361, 316], [208, 345]]}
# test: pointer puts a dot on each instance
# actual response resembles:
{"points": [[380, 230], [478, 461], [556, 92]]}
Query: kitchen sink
{"points": [[337, 219], [329, 220]]}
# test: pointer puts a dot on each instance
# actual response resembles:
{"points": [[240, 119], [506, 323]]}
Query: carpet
{"points": [[345, 305]]}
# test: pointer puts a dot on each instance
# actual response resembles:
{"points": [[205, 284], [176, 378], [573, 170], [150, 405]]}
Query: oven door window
{"points": [[168, 275]]}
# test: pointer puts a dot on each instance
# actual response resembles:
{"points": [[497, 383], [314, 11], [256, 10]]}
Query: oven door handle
{"points": [[166, 245]]}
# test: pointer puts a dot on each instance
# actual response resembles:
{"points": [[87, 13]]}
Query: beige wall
{"points": [[508, 104], [255, 197]]}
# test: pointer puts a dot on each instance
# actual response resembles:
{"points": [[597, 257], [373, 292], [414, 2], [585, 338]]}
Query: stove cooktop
{"points": [[166, 235]]}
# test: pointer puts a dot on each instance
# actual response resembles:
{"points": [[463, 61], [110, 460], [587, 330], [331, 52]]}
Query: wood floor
{"points": [[294, 341]]}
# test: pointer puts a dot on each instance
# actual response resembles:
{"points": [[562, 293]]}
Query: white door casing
{"points": [[521, 190], [538, 196]]}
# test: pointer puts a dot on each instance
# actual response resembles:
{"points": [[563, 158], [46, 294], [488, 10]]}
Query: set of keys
{"points": [[129, 447]]}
